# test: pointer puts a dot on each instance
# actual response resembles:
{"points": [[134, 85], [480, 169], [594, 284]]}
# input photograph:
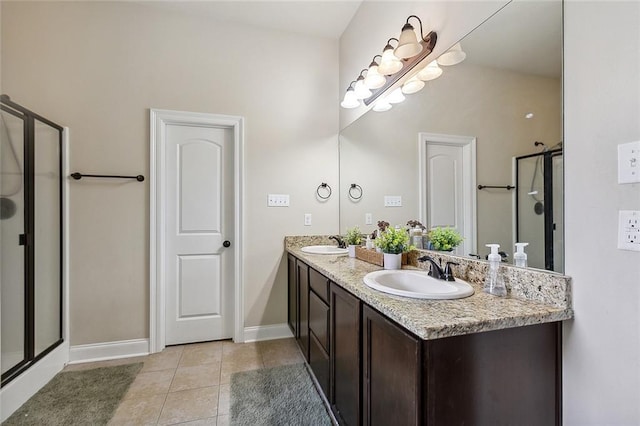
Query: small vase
{"points": [[352, 250], [392, 261]]}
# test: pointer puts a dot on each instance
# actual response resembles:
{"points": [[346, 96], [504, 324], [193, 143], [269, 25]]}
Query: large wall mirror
{"points": [[493, 120]]}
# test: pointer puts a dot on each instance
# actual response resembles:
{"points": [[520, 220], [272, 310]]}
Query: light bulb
{"points": [[389, 64], [350, 100], [453, 56], [408, 45], [381, 105], [396, 96], [430, 72], [413, 85], [374, 80], [361, 91]]}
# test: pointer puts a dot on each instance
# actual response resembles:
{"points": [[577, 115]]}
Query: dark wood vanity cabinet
{"points": [[375, 372]]}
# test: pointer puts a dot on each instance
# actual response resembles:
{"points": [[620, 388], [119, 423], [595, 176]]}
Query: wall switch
{"points": [[629, 162], [278, 200], [307, 219], [368, 218], [392, 201], [629, 230]]}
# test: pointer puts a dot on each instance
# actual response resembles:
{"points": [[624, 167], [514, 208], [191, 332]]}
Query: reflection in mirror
{"points": [[477, 124]]}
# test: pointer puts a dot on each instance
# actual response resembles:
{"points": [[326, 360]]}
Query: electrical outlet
{"points": [[278, 200], [307, 219], [392, 201], [629, 162], [368, 219], [629, 230]]}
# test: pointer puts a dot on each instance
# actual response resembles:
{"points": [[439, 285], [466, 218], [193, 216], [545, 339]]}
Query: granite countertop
{"points": [[433, 319]]}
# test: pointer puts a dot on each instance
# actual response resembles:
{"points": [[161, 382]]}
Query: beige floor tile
{"points": [[150, 383], [231, 350], [201, 353], [211, 421], [280, 352], [224, 420], [138, 411], [199, 376], [165, 360], [224, 399], [230, 367], [189, 405]]}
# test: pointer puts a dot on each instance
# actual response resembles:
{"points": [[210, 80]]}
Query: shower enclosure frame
{"points": [[549, 225], [27, 238]]}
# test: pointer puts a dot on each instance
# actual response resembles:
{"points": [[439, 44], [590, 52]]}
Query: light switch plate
{"points": [[629, 230], [278, 200], [629, 162], [393, 201], [307, 219], [368, 218]]}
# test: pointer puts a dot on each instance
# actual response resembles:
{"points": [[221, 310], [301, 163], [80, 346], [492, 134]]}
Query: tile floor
{"points": [[190, 384]]}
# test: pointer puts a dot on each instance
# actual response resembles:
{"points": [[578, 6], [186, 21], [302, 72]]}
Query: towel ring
{"points": [[327, 188], [355, 191]]}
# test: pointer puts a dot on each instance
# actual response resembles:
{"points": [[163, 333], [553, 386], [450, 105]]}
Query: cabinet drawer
{"points": [[319, 363], [319, 320], [320, 284]]}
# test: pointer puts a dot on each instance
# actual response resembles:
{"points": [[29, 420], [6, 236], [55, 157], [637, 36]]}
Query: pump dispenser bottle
{"points": [[494, 282], [520, 257]]}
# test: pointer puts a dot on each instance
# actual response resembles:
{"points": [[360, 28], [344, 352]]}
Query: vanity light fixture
{"points": [[408, 45], [360, 89], [374, 80], [396, 96], [413, 85], [389, 64], [430, 72], [382, 105], [453, 56], [350, 100]]}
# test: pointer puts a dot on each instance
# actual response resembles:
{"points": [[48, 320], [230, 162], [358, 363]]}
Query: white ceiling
{"points": [[311, 17]]}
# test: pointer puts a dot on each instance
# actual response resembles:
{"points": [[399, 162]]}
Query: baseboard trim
{"points": [[108, 350], [267, 332]]}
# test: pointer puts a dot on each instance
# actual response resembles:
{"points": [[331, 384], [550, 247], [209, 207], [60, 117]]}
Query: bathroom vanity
{"points": [[384, 359]]}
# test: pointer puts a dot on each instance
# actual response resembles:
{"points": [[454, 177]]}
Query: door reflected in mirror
{"points": [[504, 101]]}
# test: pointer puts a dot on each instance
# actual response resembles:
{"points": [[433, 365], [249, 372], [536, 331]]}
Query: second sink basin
{"points": [[324, 250], [417, 284]]}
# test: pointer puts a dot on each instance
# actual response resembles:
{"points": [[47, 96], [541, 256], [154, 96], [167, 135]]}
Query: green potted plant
{"points": [[353, 238], [444, 239], [393, 242]]}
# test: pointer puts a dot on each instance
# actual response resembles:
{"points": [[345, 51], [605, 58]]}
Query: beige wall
{"points": [[377, 21], [98, 68], [467, 100], [602, 106]]}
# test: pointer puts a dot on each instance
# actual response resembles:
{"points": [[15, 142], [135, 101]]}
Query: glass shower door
{"points": [[530, 208], [12, 273]]}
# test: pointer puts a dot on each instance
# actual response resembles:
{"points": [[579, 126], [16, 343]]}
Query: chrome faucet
{"points": [[339, 240], [436, 271]]}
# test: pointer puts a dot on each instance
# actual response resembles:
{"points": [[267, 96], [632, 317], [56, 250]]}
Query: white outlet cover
{"points": [[629, 162], [307, 219], [629, 230]]}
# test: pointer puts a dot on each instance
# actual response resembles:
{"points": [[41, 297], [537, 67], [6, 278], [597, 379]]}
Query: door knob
{"points": [[227, 243]]}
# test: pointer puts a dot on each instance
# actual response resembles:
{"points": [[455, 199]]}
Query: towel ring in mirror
{"points": [[326, 189], [355, 191]]}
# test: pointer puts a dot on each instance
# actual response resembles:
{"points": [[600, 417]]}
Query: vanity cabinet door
{"points": [[292, 314], [302, 278], [391, 372], [345, 357]]}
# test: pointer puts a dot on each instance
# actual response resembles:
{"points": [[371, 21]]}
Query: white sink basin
{"points": [[417, 284], [324, 250]]}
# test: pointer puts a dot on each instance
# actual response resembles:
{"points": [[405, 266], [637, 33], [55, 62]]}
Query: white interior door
{"points": [[447, 170], [198, 265]]}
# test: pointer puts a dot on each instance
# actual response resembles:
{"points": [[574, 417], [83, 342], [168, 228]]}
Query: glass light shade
{"points": [[408, 45], [413, 85], [361, 91], [381, 105], [430, 72], [350, 100], [389, 64], [374, 80], [453, 56], [396, 96]]}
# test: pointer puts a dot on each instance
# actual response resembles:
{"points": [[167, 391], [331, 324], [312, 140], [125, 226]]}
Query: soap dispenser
{"points": [[494, 282], [520, 257]]}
